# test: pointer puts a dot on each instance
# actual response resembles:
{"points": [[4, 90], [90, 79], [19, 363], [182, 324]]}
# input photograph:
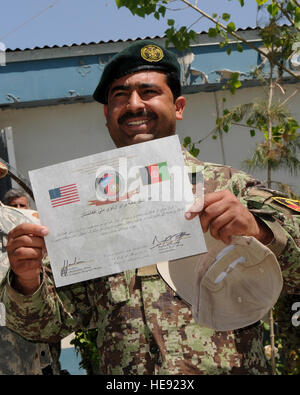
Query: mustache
{"points": [[132, 115]]}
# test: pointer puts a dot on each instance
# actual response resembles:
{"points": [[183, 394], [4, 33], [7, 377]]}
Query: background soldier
{"points": [[16, 198], [17, 355]]}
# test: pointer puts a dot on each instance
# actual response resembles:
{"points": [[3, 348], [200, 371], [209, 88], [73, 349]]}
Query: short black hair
{"points": [[174, 84]]}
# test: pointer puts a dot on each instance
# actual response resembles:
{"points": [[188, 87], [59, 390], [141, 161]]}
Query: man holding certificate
{"points": [[145, 326]]}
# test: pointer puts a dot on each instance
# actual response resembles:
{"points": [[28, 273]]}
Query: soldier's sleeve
{"points": [[282, 216], [50, 314]]}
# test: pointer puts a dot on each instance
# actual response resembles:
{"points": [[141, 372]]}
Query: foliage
{"points": [[287, 340], [278, 150], [183, 36], [180, 38], [85, 343], [190, 146]]}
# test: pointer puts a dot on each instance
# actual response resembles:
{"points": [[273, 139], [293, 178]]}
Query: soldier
{"points": [[17, 355], [143, 326], [17, 198]]}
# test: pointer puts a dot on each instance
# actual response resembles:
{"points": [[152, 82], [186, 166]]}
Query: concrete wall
{"points": [[52, 134]]}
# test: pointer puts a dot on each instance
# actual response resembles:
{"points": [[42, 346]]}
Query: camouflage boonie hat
{"points": [[229, 287], [139, 56]]}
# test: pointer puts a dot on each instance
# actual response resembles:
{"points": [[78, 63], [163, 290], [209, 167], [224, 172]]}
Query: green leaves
{"points": [[273, 9], [261, 2], [297, 18], [190, 146], [231, 27], [226, 17], [213, 32], [278, 150], [234, 83], [85, 343], [181, 38], [142, 8]]}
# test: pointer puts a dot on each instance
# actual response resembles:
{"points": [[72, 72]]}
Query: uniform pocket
{"points": [[119, 287]]}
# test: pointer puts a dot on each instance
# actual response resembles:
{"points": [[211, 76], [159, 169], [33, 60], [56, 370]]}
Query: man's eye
{"points": [[119, 93], [150, 91]]}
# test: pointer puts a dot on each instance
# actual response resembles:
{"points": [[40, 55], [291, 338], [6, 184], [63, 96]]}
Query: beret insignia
{"points": [[152, 53], [292, 204]]}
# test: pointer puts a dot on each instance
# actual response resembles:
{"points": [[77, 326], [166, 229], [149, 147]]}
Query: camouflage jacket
{"points": [[17, 355], [143, 327]]}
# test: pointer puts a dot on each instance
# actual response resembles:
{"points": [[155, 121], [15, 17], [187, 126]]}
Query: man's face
{"points": [[20, 202], [141, 108]]}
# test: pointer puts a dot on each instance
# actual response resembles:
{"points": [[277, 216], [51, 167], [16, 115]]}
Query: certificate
{"points": [[117, 210]]}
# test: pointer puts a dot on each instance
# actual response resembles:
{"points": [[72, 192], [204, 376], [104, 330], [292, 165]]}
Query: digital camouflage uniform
{"points": [[17, 355], [143, 327]]}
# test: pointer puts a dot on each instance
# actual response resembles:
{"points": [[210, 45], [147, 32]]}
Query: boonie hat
{"points": [[229, 287], [139, 56]]}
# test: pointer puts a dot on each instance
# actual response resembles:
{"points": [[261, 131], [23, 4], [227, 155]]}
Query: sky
{"points": [[39, 23]]}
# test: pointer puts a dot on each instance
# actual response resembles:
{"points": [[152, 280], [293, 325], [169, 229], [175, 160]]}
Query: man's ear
{"points": [[180, 103], [105, 108]]}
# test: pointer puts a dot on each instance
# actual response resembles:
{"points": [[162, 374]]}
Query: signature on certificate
{"points": [[68, 267], [169, 242]]}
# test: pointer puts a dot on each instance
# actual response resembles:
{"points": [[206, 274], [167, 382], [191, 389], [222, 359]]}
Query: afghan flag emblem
{"points": [[157, 172]]}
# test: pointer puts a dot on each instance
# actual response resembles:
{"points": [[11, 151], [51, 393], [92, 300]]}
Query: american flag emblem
{"points": [[64, 195]]}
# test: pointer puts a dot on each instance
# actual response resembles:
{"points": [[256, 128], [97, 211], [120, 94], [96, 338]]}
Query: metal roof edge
{"points": [[202, 39]]}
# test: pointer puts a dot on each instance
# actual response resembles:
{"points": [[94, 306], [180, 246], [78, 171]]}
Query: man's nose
{"points": [[135, 102]]}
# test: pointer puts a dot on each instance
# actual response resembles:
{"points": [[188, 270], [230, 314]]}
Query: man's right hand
{"points": [[25, 250]]}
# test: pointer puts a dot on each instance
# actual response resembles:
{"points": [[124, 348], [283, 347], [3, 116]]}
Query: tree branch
{"points": [[286, 14], [288, 98], [239, 38]]}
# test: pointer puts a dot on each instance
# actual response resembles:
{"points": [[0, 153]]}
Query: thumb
{"points": [[194, 210]]}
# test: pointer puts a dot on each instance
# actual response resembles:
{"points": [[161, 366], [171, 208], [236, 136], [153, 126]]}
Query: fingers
{"points": [[22, 250], [224, 215], [201, 205], [25, 249], [34, 229], [216, 214]]}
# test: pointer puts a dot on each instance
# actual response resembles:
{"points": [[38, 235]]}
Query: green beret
{"points": [[139, 56]]}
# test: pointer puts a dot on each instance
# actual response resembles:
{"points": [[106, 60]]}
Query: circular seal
{"points": [[109, 185], [152, 53]]}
